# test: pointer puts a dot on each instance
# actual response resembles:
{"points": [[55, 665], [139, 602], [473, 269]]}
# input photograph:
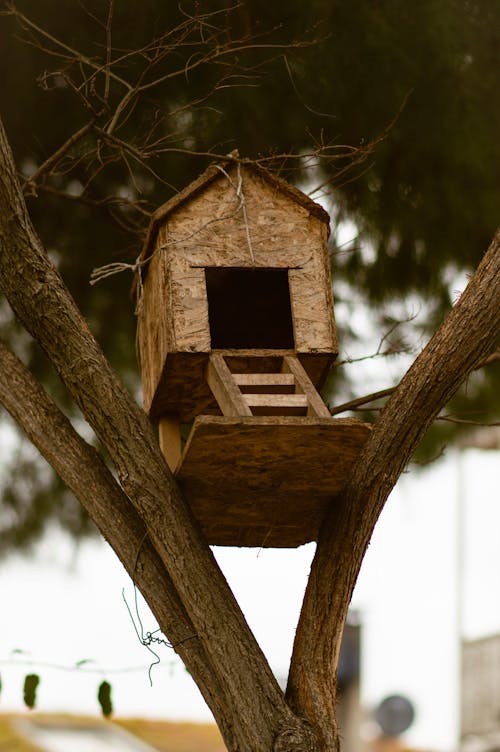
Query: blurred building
{"points": [[41, 732], [480, 702], [349, 713]]}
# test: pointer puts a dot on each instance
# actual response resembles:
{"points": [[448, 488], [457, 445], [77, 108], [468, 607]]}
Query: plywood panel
{"points": [[182, 386], [169, 436], [224, 387], [155, 330], [316, 406], [267, 481], [213, 230], [208, 225]]}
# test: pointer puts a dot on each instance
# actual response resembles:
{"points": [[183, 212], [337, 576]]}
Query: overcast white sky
{"points": [[65, 606]]}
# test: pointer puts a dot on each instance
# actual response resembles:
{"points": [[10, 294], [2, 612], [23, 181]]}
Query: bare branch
{"points": [[73, 54], [352, 404], [29, 186], [493, 357], [299, 96], [108, 50], [465, 421], [361, 401]]}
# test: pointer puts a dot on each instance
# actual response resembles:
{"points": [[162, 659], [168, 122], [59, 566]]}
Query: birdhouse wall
{"points": [[238, 221]]}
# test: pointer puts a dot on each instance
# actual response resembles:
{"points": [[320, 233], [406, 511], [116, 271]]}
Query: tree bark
{"points": [[38, 297], [466, 336], [83, 471], [172, 563]]}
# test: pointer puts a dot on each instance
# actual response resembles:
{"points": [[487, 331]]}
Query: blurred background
{"points": [[389, 118]]}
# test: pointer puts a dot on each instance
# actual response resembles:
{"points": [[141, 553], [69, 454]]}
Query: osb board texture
{"points": [[204, 180], [267, 481], [183, 388], [153, 335], [212, 229]]}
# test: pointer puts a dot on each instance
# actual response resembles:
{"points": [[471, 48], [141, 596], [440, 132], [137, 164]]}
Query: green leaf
{"points": [[104, 697], [83, 662], [31, 683]]}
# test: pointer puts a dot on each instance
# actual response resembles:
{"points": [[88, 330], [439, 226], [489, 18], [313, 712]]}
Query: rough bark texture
{"points": [[467, 335], [83, 471], [41, 302], [175, 568]]}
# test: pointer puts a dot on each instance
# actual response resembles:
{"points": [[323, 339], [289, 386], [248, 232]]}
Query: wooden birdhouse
{"points": [[236, 334]]}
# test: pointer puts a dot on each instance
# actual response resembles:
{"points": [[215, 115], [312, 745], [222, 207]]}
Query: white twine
{"points": [[241, 205], [108, 270]]}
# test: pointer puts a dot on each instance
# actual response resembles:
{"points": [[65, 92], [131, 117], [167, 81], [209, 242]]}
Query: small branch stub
{"points": [[297, 738]]}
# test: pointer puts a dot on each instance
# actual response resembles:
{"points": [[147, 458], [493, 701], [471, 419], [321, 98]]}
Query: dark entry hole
{"points": [[249, 309]]}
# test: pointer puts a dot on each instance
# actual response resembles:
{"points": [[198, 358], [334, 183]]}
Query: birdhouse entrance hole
{"points": [[249, 308]]}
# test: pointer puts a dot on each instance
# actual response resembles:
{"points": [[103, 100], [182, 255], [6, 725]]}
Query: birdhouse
{"points": [[236, 335]]}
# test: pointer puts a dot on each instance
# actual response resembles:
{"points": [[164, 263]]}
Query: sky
{"points": [[65, 605]]}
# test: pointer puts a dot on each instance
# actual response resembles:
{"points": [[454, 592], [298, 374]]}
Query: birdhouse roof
{"points": [[211, 174]]}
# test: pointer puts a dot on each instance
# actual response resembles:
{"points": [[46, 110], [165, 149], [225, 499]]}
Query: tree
{"points": [[144, 517], [407, 90], [150, 527]]}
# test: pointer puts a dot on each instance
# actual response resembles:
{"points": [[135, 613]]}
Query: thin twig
{"points": [[452, 419], [30, 184], [494, 357], [108, 50], [75, 54], [361, 401]]}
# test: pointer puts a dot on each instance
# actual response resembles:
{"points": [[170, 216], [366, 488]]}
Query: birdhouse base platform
{"points": [[266, 481]]}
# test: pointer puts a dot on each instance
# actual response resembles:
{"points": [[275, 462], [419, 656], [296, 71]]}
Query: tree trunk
{"points": [[151, 527], [256, 712], [466, 336]]}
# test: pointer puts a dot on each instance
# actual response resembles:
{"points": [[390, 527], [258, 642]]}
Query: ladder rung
{"points": [[276, 400], [265, 383], [289, 392]]}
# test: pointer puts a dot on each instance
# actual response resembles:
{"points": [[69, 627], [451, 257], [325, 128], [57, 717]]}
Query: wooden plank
{"points": [[169, 435], [265, 383], [267, 481], [278, 401], [221, 382], [316, 407]]}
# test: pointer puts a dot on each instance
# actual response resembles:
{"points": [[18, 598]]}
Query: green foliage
{"points": [[31, 683], [421, 84], [104, 698], [32, 496]]}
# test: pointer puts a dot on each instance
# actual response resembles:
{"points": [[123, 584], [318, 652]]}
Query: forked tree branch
{"points": [[29, 186], [260, 717], [81, 468]]}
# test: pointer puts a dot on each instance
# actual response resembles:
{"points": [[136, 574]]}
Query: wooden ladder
{"points": [[289, 392]]}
